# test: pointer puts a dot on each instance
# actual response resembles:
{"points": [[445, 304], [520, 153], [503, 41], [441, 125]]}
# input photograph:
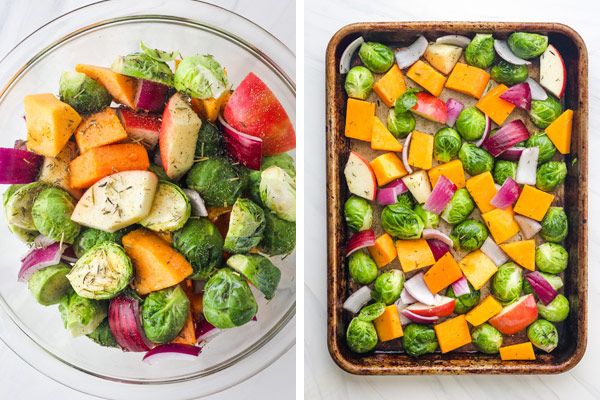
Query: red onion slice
{"points": [[439, 247], [69, 255], [509, 193], [38, 259], [494, 252], [418, 289], [346, 58], [434, 234], [440, 195], [506, 53], [20, 144], [244, 148], [541, 287], [453, 109], [357, 300], [197, 203], [418, 318], [389, 194], [150, 96], [512, 154], [486, 132], [171, 351], [461, 287], [360, 240], [529, 227], [454, 40], [205, 331], [126, 324], [407, 56], [405, 154], [41, 242], [506, 137], [527, 166], [18, 166], [519, 95], [537, 91]]}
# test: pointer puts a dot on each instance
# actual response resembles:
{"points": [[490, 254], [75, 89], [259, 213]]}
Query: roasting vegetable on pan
{"points": [[388, 286], [551, 258], [527, 45], [80, 315], [103, 335], [141, 65], [460, 207], [401, 222], [246, 225], [469, 235], [504, 169], [507, 282], [279, 236], [200, 242], [480, 51], [549, 175], [90, 237], [543, 142], [164, 313], [466, 302], [218, 181], [430, 220], [358, 213], [371, 312], [51, 214], [446, 144], [543, 335], [259, 270], [544, 112], [376, 56], [554, 225], [406, 200], [486, 338], [200, 76], [556, 311], [359, 83], [400, 124], [362, 268], [82, 93], [509, 74], [278, 192], [419, 339], [361, 336], [475, 160], [470, 123], [554, 280]]}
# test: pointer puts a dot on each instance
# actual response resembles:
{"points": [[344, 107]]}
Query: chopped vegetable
{"points": [[494, 106], [414, 254], [388, 167], [482, 189], [507, 194], [359, 83], [453, 333], [488, 308], [390, 86], [388, 325], [533, 203], [382, 139], [420, 154], [559, 131], [468, 80], [501, 224], [443, 273], [427, 77], [477, 268], [383, 251], [452, 170], [121, 87], [522, 351]]}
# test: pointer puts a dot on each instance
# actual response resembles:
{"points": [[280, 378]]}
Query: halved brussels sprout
{"points": [[50, 284], [90, 237], [80, 315], [543, 335], [549, 175], [259, 270], [508, 282], [9, 192], [103, 336], [554, 280], [555, 225], [543, 142], [470, 123], [406, 200], [459, 208], [551, 258], [246, 225], [419, 339], [20, 203], [509, 74], [164, 313], [201, 77], [170, 208], [141, 65], [358, 213], [401, 222], [218, 181], [359, 83], [400, 124], [371, 312], [210, 140], [376, 56], [279, 236], [469, 235], [527, 45], [430, 220], [282, 160], [475, 160], [159, 55], [466, 302], [544, 112], [278, 192], [503, 169], [361, 336], [362, 268], [83, 93], [200, 242], [51, 215], [23, 235], [486, 338], [388, 286], [480, 52], [556, 311], [446, 144]]}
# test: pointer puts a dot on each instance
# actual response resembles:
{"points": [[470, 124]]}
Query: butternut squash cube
{"points": [[420, 153], [452, 170], [484, 311], [121, 87], [359, 119], [382, 139], [414, 254], [521, 351], [453, 333], [388, 167], [501, 224], [443, 273], [533, 203], [482, 189], [209, 108], [494, 107], [388, 325], [384, 250], [468, 80], [522, 252], [477, 268], [390, 86], [426, 76], [98, 129], [559, 132]]}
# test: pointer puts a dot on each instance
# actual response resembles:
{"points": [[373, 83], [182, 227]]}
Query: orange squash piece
{"points": [[452, 170], [187, 335], [359, 119], [388, 167], [501, 224], [533, 203], [559, 132], [494, 107], [414, 254], [382, 139], [522, 252], [468, 80], [426, 76], [121, 87], [453, 333], [482, 189], [388, 325], [384, 250], [521, 351], [390, 86], [209, 108], [420, 153], [484, 311], [477, 268], [443, 273], [99, 129]]}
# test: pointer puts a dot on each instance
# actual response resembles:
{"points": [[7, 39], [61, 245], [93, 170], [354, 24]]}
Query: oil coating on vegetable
{"points": [[446, 144], [475, 160], [469, 235], [507, 282], [283, 161], [359, 83], [470, 123], [218, 181], [358, 213], [543, 142], [201, 77], [141, 65], [376, 56], [200, 242], [503, 169], [509, 74], [400, 124], [279, 236], [419, 339], [80, 315], [430, 220], [361, 336], [549, 175], [401, 222], [480, 52], [388, 286], [164, 313], [527, 45], [551, 258], [466, 302], [555, 225], [82, 93], [246, 225], [259, 270], [278, 192], [459, 208], [90, 237], [486, 338], [544, 112], [543, 335], [362, 268], [556, 311], [51, 214]]}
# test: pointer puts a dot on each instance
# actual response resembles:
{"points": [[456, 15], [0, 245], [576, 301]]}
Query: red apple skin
{"points": [[430, 107], [140, 125], [373, 178], [442, 310], [254, 109], [519, 317]]}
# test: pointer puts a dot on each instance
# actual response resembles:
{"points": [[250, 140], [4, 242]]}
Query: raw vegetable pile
{"points": [[467, 208], [148, 223]]}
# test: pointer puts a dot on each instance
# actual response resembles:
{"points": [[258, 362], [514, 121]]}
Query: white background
{"points": [[18, 380], [323, 379]]}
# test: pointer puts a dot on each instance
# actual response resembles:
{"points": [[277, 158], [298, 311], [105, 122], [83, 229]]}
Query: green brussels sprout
{"points": [[371, 312], [103, 336], [51, 214], [201, 77], [80, 315], [507, 282], [282, 160], [400, 124], [279, 236], [141, 65], [201, 243], [543, 142], [9, 192], [480, 52], [170, 208], [278, 192], [419, 339], [401, 222], [549, 175], [159, 55], [362, 268], [556, 311], [376, 56], [406, 200], [19, 205], [509, 74], [102, 272], [259, 270], [551, 258], [359, 214], [459, 208], [543, 335], [503, 169], [50, 284], [359, 83], [486, 339], [446, 144], [210, 140], [388, 286], [469, 235], [90, 237], [544, 112], [228, 301], [361, 336], [164, 313], [218, 181], [527, 45], [554, 225], [159, 172], [554, 280], [83, 93], [466, 302], [23, 235], [470, 123], [246, 225], [475, 160], [430, 220]]}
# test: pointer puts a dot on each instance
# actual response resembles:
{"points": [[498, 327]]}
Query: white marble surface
{"points": [[323, 379], [18, 381]]}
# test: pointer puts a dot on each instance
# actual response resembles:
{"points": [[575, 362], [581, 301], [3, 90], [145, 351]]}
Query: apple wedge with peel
{"points": [[141, 127], [517, 316], [360, 177], [553, 74], [443, 308], [178, 137], [430, 107]]}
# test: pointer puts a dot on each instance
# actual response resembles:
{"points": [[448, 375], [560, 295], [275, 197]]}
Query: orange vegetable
{"points": [[501, 224], [453, 333], [388, 167], [468, 80], [420, 153], [426, 76], [50, 123], [209, 108], [388, 325], [187, 335], [484, 311], [559, 132], [157, 265], [494, 107], [384, 250], [522, 252], [482, 189], [382, 139], [452, 170], [521, 351], [533, 203], [99, 162], [478, 268], [414, 254], [166, 236], [359, 119], [390, 86], [121, 87], [443, 273], [98, 129]]}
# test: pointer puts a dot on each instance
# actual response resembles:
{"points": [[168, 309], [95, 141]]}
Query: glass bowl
{"points": [[96, 34]]}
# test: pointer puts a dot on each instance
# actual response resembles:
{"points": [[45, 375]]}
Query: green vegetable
{"points": [[509, 74], [555, 225], [407, 101], [159, 172], [507, 282], [377, 57], [90, 237], [9, 192], [228, 301], [547, 148], [50, 284], [362, 268], [401, 222], [544, 112], [246, 226], [446, 144], [278, 192], [103, 335], [470, 123], [361, 336], [19, 205], [419, 339], [201, 77], [543, 335], [466, 302], [359, 214], [469, 235], [102, 272], [430, 220], [486, 338], [527, 45], [200, 242], [475, 160], [460, 207], [141, 65], [218, 181], [81, 316], [388, 286], [549, 175], [279, 236], [159, 55], [480, 52], [371, 312], [551, 258], [282, 160], [406, 200], [23, 235], [210, 141], [259, 270], [554, 280], [51, 214], [82, 93], [170, 208], [164, 313], [556, 311], [359, 83], [503, 169], [400, 124]]}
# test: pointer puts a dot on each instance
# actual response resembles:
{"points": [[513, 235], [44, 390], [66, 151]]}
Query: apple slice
{"points": [[553, 74], [178, 137], [141, 127], [253, 109], [443, 57], [443, 308], [360, 177], [430, 107], [516, 316]]}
